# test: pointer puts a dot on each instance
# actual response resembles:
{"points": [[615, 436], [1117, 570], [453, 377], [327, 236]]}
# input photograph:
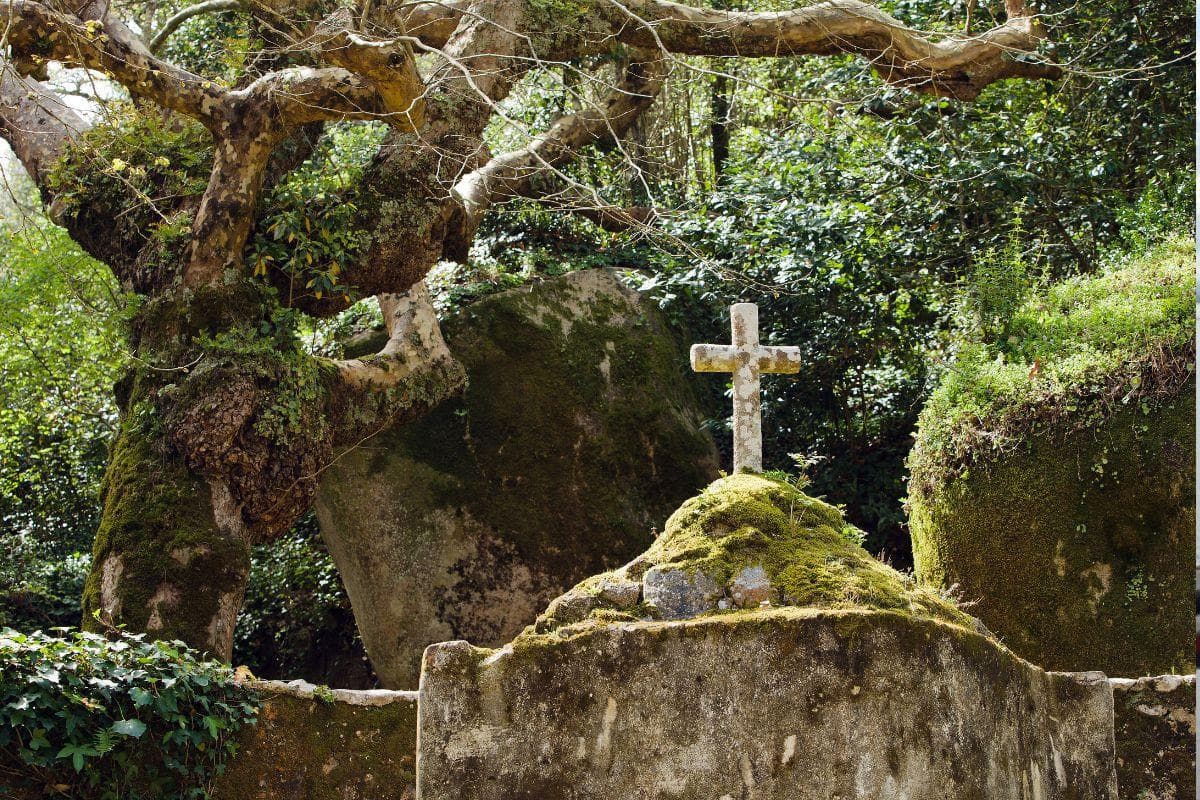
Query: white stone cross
{"points": [[747, 360]]}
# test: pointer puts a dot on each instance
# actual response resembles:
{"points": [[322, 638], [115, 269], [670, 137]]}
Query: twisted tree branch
{"points": [[171, 25], [36, 122], [955, 66], [38, 33], [514, 174]]}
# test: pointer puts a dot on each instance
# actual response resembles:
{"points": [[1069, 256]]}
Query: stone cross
{"points": [[747, 360]]}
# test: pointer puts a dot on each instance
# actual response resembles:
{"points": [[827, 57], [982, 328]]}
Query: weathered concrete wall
{"points": [[577, 435], [1156, 737], [790, 704], [755, 651], [1078, 548], [313, 743]]}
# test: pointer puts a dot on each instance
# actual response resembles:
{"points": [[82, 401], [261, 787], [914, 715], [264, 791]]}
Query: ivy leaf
{"points": [[129, 727]]}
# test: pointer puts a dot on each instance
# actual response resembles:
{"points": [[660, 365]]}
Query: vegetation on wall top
{"points": [[1062, 356], [116, 718]]}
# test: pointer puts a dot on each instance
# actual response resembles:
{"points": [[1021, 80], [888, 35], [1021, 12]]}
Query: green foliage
{"points": [[297, 621], [59, 353], [998, 286], [213, 45], [114, 719], [850, 210], [1074, 350], [306, 232], [145, 160]]}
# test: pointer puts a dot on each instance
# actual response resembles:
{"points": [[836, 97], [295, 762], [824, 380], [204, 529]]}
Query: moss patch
{"points": [[314, 748], [804, 546], [158, 525], [1079, 547], [1070, 356], [1053, 475]]}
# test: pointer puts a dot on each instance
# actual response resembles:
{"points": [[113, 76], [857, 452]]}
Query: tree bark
{"points": [[719, 128], [172, 555]]}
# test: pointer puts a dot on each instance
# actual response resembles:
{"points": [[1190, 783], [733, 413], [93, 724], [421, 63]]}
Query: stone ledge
{"points": [[1155, 725], [314, 743], [304, 690]]}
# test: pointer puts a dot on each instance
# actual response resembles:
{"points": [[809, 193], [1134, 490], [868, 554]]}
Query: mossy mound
{"points": [[746, 542], [1054, 483]]}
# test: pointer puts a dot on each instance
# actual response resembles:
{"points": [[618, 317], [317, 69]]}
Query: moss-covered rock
{"points": [[575, 438], [745, 542], [314, 743], [1058, 492]]}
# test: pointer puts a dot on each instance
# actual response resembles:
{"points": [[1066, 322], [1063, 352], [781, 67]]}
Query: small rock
{"points": [[677, 595], [571, 607], [751, 588], [620, 592]]}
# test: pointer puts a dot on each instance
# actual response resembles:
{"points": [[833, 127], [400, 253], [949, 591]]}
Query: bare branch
{"points": [[956, 66], [302, 95], [172, 24], [36, 122], [38, 33], [514, 174]]}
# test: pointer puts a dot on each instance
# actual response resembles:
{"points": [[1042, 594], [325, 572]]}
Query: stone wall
{"points": [[313, 743], [1156, 737], [318, 744], [577, 435], [779, 704]]}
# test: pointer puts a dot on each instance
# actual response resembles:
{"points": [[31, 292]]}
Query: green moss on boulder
{"points": [[1053, 479], [745, 543], [576, 436]]}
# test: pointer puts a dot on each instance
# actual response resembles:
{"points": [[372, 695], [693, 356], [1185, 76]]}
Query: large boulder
{"points": [[1054, 485], [576, 436], [1073, 568], [771, 657]]}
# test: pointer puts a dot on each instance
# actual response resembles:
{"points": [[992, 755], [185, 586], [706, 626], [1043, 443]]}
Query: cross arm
{"points": [[781, 360], [713, 358]]}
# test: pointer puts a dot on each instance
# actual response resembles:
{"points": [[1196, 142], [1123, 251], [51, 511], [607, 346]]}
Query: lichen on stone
{"points": [[746, 542]]}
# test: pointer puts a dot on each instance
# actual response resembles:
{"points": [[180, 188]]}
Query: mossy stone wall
{"points": [[576, 437], [1078, 547], [313, 743], [774, 704], [1155, 725]]}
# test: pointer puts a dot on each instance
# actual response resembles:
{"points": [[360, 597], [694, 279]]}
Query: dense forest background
{"points": [[878, 230]]}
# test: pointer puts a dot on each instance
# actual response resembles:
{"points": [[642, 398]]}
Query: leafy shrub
{"points": [[1072, 351], [47, 594], [88, 717], [296, 621]]}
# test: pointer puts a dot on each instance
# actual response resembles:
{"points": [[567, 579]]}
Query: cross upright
{"points": [[747, 360]]}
